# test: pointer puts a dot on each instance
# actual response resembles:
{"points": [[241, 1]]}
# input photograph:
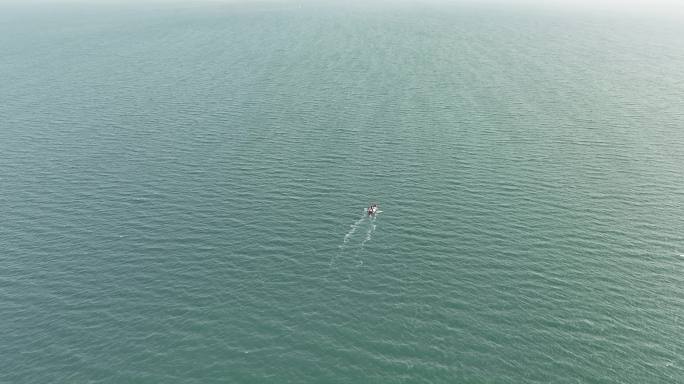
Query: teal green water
{"points": [[182, 194]]}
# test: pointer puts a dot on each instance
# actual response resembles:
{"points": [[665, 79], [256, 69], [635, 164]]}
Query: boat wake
{"points": [[370, 231], [353, 229], [353, 241]]}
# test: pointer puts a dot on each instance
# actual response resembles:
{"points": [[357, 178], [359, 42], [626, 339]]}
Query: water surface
{"points": [[182, 193]]}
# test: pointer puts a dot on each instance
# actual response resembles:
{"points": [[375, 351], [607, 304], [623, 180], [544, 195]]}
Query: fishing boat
{"points": [[373, 209]]}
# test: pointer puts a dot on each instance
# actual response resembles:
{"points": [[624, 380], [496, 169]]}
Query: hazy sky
{"points": [[650, 6], [612, 3]]}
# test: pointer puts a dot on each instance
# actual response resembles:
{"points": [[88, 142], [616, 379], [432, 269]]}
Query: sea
{"points": [[183, 190]]}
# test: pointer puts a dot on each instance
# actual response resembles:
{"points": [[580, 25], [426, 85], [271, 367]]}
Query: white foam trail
{"points": [[353, 229], [348, 236], [369, 233]]}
